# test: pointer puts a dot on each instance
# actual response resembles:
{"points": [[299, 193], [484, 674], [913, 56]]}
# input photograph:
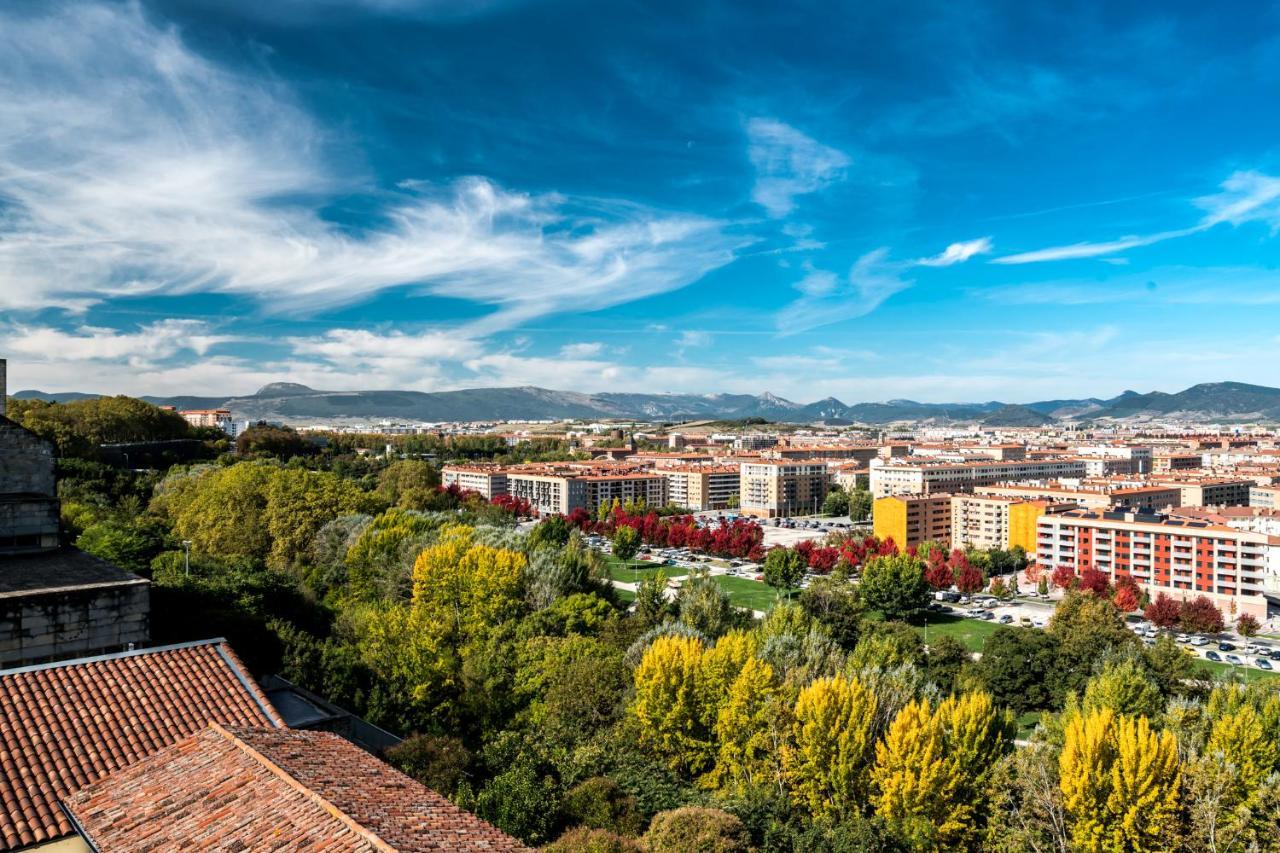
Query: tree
{"points": [[1042, 587], [827, 760], [439, 762], [599, 803], [1064, 577], [1094, 581], [1124, 687], [404, 477], [263, 439], [748, 729], [519, 802], [668, 707], [946, 657], [1126, 598], [939, 575], [584, 840], [836, 503], [1200, 616], [1164, 612], [1247, 625], [1086, 628], [860, 505], [704, 605], [932, 769], [552, 532], [894, 585], [1120, 782], [626, 542], [835, 602], [783, 569], [694, 828], [1019, 667], [969, 579]]}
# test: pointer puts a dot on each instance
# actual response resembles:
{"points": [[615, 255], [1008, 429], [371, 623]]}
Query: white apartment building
{"points": [[907, 477], [770, 489], [488, 480], [701, 487]]}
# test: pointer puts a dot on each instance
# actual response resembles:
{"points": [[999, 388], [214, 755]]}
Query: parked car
{"points": [[1263, 663], [1234, 660], [1212, 655], [1199, 641], [1275, 655], [1006, 619], [988, 615], [1226, 647], [1182, 638]]}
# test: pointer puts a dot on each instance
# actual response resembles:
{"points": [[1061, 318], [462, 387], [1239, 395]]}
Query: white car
{"points": [[1199, 641]]}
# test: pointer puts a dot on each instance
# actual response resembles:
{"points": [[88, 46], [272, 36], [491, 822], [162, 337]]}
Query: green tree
{"points": [[1086, 627], [860, 505], [697, 829], [1019, 667], [1125, 687], [894, 585], [836, 502], [704, 605], [834, 601], [552, 532], [783, 569], [439, 762], [626, 542], [405, 477], [599, 803]]}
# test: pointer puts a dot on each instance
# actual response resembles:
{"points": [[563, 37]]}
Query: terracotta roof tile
{"points": [[65, 725], [266, 789]]}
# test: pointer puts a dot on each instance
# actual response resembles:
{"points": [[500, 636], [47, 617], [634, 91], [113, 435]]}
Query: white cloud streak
{"points": [[958, 253], [788, 164], [131, 165], [1245, 197]]}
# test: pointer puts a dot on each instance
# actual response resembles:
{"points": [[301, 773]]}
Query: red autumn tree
{"points": [[939, 575], [1126, 598], [1200, 616], [969, 579], [1064, 577], [1164, 612], [1247, 625], [1094, 581]]}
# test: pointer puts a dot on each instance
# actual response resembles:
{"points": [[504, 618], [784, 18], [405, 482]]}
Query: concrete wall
{"points": [[26, 461], [73, 623]]}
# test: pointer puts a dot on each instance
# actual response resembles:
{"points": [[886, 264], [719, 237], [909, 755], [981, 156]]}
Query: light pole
{"points": [[186, 556]]}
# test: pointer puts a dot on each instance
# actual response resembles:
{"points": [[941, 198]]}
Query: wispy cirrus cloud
{"points": [[131, 165], [958, 253], [789, 163], [1245, 197]]}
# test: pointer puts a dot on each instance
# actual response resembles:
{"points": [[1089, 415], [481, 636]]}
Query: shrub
{"points": [[598, 803], [438, 762], [696, 830], [585, 840]]}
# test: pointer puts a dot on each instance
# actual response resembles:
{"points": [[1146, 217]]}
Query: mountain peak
{"points": [[283, 389]]}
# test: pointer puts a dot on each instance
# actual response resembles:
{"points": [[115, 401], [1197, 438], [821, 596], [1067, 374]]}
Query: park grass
{"points": [[1027, 724], [1247, 673], [971, 633], [624, 595], [753, 595], [638, 569]]}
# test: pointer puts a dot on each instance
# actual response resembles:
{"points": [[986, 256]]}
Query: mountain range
{"points": [[1217, 401]]}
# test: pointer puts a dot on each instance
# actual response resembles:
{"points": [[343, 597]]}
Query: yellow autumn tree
{"points": [[1239, 739], [1120, 781], [748, 731], [827, 761], [721, 666], [462, 587], [668, 704], [933, 765]]}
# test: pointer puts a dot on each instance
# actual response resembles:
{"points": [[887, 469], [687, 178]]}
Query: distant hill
{"points": [[291, 401]]}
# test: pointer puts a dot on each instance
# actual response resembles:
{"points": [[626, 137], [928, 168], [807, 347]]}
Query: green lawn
{"points": [[753, 595], [1248, 673], [624, 595], [620, 571], [1027, 724], [972, 633]]}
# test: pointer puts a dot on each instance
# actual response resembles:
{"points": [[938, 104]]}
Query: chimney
{"points": [[4, 388]]}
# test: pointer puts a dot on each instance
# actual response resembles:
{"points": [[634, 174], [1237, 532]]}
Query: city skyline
{"points": [[923, 201]]}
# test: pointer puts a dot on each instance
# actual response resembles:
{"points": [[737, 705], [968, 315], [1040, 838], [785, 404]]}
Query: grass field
{"points": [[1247, 673], [753, 595], [625, 595], [972, 633], [1027, 724], [620, 571]]}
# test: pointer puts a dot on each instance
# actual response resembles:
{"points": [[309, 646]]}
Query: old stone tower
{"points": [[55, 601]]}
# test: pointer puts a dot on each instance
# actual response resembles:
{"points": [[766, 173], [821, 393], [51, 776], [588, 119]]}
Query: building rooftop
{"points": [[263, 788], [65, 725], [63, 570]]}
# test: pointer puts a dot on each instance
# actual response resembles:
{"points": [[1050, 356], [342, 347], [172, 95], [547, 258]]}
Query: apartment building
{"points": [[1180, 557], [701, 487], [551, 489], [770, 489], [911, 519], [488, 480], [1123, 458], [1210, 491], [1165, 461], [1091, 496], [1266, 497], [905, 477], [994, 521], [216, 418], [860, 453]]}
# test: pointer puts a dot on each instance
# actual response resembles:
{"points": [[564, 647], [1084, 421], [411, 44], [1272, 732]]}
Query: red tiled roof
{"points": [[270, 789], [65, 725]]}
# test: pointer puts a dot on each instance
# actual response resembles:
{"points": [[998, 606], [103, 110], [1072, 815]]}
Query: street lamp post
{"points": [[186, 556]]}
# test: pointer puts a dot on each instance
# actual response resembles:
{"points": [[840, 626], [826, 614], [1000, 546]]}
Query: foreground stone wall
{"points": [[69, 623]]}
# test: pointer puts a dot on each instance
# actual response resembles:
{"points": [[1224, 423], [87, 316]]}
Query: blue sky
{"points": [[936, 201]]}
